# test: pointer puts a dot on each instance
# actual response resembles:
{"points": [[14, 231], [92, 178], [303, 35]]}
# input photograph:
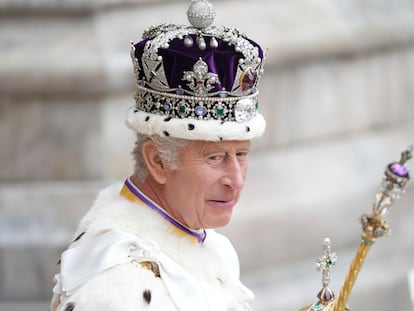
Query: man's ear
{"points": [[156, 168]]}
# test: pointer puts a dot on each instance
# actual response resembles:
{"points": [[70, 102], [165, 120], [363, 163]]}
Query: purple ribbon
{"points": [[200, 236]]}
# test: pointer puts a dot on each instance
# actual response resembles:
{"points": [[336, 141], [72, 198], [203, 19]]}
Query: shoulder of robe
{"points": [[130, 286]]}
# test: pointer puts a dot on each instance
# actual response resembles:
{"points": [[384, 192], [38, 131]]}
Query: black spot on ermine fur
{"points": [[147, 296], [70, 307]]}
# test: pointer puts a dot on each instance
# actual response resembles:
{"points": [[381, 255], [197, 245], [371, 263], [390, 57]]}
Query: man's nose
{"points": [[235, 173]]}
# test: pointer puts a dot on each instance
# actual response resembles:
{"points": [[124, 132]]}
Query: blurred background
{"points": [[338, 97]]}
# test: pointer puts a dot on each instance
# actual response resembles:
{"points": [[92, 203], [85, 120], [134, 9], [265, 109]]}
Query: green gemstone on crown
{"points": [[182, 108], [219, 111]]}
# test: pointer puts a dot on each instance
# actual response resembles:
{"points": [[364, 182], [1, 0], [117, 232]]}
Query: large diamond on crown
{"points": [[244, 110]]}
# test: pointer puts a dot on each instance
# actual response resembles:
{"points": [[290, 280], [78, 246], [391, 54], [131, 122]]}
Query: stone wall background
{"points": [[337, 94]]}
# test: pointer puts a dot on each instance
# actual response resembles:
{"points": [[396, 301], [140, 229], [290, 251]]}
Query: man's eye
{"points": [[242, 154], [215, 158]]}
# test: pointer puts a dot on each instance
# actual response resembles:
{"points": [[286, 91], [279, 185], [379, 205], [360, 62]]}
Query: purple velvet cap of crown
{"points": [[177, 58]]}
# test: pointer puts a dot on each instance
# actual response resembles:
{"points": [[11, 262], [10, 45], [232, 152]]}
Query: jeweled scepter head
{"points": [[396, 177]]}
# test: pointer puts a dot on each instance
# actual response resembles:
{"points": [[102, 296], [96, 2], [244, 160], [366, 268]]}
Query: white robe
{"points": [[103, 270]]}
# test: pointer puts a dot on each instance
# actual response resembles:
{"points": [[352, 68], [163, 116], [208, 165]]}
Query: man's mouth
{"points": [[223, 203]]}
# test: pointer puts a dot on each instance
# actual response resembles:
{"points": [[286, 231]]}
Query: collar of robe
{"points": [[132, 193]]}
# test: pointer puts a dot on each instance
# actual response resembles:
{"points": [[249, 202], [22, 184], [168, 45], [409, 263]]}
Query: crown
{"points": [[198, 81]]}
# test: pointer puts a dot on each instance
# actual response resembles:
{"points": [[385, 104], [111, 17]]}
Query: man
{"points": [[149, 244]]}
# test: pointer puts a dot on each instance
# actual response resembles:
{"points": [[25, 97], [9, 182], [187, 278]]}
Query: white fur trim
{"points": [[211, 130]]}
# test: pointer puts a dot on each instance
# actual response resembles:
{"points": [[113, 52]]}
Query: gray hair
{"points": [[168, 149]]}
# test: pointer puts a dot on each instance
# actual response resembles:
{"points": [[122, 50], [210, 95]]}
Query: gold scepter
{"points": [[374, 226]]}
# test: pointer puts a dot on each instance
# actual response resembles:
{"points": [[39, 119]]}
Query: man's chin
{"points": [[222, 220]]}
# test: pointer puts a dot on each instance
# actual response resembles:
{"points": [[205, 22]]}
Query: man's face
{"points": [[202, 191]]}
